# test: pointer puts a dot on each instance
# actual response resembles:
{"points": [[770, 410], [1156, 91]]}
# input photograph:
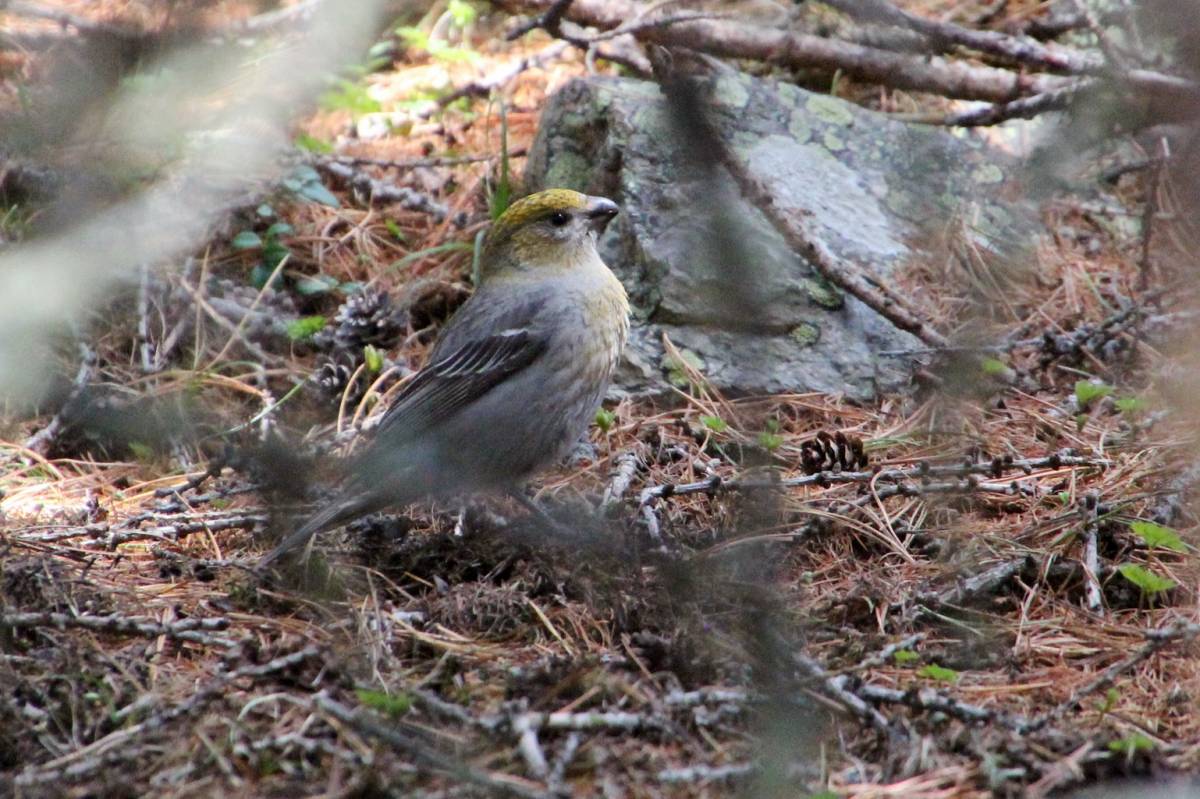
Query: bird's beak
{"points": [[600, 211]]}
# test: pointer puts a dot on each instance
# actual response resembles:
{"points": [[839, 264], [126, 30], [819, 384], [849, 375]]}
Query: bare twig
{"points": [[622, 476], [1023, 108], [1091, 553], [996, 468], [489, 83], [1151, 211], [373, 190], [193, 630], [1027, 51]]}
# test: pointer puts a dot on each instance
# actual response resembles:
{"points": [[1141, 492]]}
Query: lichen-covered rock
{"points": [[706, 268]]}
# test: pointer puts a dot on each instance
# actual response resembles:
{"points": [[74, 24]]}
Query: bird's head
{"points": [[551, 231]]}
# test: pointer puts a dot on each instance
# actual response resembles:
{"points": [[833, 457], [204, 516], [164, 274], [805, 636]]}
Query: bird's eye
{"points": [[559, 218]]}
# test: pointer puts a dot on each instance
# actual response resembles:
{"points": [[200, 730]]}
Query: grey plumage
{"points": [[511, 383]]}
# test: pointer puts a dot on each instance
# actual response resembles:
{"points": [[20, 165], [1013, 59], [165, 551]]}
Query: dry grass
{"points": [[452, 644]]}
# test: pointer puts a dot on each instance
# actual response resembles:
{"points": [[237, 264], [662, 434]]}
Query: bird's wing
{"points": [[458, 378]]}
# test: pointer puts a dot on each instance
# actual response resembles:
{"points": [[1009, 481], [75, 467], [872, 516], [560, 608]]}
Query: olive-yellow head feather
{"points": [[552, 229]]}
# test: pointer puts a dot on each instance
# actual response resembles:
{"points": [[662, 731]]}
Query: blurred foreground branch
{"points": [[922, 72]]}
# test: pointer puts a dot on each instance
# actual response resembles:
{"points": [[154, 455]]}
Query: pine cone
{"points": [[332, 378], [367, 318]]}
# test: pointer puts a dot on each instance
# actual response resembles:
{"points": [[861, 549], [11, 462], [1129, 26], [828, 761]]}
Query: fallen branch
{"points": [[922, 471], [194, 630], [373, 190]]}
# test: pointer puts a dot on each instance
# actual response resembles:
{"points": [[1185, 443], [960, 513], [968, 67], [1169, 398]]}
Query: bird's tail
{"points": [[342, 510]]}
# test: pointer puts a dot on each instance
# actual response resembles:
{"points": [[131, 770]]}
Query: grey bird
{"points": [[515, 376]]}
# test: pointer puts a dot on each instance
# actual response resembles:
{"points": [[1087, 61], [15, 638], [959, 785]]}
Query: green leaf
{"points": [[770, 441], [1087, 392], [1130, 406], [1155, 535], [414, 37], [903, 656], [319, 194], [605, 420], [993, 366], [373, 358], [395, 230], [462, 12], [502, 196], [265, 211], [313, 144], [350, 96], [260, 274], [279, 229], [1064, 497], [305, 327], [1146, 580], [939, 673], [316, 285], [273, 253], [1081, 420], [677, 368], [246, 240], [714, 423], [1131, 745], [1111, 696], [393, 705]]}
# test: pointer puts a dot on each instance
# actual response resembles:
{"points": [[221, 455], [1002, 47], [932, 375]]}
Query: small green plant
{"points": [[395, 230], [1146, 580], [306, 183], [939, 673], [1087, 392], [678, 368], [501, 196], [1110, 701], [273, 250], [373, 359], [351, 96], [418, 39], [1131, 745], [905, 656], [1130, 406], [714, 423], [1156, 536], [391, 705], [770, 441], [304, 328], [993, 366], [605, 420], [313, 145]]}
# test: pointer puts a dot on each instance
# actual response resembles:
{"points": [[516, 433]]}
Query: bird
{"points": [[513, 379]]}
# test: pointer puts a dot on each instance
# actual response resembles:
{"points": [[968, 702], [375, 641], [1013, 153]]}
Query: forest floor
{"points": [[1004, 601]]}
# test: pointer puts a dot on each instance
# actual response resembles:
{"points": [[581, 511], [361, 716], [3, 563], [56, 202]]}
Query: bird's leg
{"points": [[528, 504]]}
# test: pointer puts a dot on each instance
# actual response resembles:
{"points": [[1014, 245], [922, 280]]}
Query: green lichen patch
{"points": [[805, 334], [829, 109], [822, 293]]}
